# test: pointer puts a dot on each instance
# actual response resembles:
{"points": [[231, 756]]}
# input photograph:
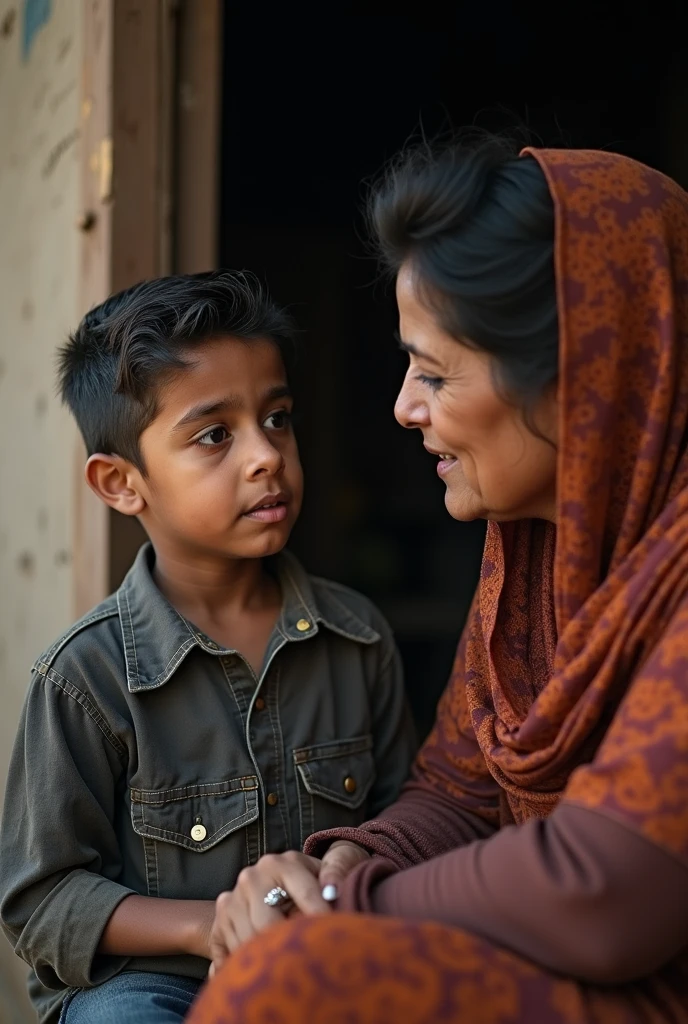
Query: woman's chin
{"points": [[464, 505]]}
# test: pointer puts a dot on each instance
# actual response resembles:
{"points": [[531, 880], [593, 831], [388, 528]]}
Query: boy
{"points": [[222, 704]]}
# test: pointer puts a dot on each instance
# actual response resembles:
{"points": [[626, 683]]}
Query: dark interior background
{"points": [[313, 106]]}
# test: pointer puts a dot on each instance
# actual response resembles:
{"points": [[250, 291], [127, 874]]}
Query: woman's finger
{"points": [[293, 872], [300, 878], [252, 914], [243, 913], [338, 862]]}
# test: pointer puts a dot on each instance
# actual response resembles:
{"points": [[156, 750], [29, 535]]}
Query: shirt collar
{"points": [[156, 638], [312, 601]]}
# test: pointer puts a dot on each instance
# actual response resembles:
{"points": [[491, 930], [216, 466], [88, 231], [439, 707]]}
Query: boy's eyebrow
{"points": [[408, 346], [231, 403]]}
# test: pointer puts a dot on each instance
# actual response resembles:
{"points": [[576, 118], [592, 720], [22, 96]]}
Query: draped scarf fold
{"points": [[579, 632]]}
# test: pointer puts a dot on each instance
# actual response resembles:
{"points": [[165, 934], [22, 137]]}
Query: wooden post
{"points": [[143, 87], [150, 103], [91, 518], [199, 90]]}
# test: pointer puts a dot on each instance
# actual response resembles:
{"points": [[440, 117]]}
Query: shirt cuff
{"points": [[62, 937]]}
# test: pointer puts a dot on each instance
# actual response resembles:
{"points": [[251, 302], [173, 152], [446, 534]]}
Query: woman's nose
{"points": [[410, 408]]}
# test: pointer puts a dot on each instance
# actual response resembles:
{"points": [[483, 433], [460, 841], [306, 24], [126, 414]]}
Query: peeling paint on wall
{"points": [[36, 14], [39, 303], [57, 152]]}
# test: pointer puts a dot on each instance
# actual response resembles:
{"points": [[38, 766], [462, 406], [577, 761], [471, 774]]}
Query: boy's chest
{"points": [[224, 767]]}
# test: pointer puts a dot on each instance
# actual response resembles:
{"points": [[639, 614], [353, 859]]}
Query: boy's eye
{"points": [[213, 437], [277, 420], [435, 383]]}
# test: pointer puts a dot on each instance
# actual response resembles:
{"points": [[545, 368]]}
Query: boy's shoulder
{"points": [[89, 633], [112, 641]]}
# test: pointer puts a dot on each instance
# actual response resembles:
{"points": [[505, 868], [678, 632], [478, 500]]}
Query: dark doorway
{"points": [[313, 106]]}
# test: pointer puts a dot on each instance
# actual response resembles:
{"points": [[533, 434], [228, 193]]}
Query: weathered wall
{"points": [[40, 65]]}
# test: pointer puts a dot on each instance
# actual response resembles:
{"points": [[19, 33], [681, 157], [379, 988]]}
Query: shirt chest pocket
{"points": [[196, 838], [334, 781]]}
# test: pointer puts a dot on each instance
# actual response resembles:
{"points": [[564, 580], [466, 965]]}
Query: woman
{"points": [[535, 869]]}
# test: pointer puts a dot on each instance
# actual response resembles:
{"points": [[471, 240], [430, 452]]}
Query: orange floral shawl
{"points": [[572, 673]]}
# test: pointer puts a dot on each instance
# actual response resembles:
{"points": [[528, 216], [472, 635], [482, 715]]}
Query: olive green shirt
{"points": [[150, 760]]}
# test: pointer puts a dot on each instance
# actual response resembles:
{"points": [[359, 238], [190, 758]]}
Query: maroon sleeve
{"points": [[425, 822], [578, 893]]}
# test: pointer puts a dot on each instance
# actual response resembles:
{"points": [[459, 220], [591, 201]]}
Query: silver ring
{"points": [[277, 897]]}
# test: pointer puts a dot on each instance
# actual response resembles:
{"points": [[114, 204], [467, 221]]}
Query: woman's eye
{"points": [[435, 383], [277, 420], [213, 437]]}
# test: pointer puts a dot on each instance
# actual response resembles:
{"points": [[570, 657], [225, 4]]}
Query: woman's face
{"points": [[493, 466]]}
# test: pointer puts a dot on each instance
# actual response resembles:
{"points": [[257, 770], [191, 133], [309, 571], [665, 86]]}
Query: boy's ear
{"points": [[115, 481]]}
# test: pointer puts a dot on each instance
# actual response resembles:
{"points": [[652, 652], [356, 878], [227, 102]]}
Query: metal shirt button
{"points": [[272, 799], [198, 833], [259, 704], [350, 784], [303, 625]]}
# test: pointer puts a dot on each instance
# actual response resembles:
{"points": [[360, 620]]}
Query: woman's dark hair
{"points": [[476, 226]]}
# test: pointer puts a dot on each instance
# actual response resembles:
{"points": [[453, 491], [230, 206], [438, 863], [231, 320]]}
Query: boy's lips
{"points": [[272, 508]]}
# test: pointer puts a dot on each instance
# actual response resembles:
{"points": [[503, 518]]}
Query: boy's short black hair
{"points": [[113, 365]]}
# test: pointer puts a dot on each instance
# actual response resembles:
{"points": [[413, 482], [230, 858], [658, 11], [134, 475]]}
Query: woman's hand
{"points": [[339, 861], [241, 913]]}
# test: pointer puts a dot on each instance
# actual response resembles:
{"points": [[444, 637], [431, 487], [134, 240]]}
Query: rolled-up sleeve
{"points": [[59, 853]]}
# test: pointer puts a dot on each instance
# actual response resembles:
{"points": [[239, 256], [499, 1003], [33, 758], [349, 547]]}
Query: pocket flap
{"points": [[196, 816], [342, 771]]}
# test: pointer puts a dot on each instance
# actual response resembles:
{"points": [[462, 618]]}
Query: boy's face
{"points": [[223, 474]]}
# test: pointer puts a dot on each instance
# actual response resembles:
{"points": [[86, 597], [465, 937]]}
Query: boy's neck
{"points": [[205, 590]]}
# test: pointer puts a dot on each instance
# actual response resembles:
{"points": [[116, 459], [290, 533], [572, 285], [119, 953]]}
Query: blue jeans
{"points": [[132, 997]]}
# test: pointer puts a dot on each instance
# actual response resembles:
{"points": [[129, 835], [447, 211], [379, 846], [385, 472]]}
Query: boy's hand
{"points": [[242, 913]]}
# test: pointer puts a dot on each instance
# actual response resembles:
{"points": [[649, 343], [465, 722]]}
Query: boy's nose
{"points": [[264, 459]]}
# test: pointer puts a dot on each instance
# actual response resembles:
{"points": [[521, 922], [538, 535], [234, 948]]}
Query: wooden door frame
{"points": [[150, 133]]}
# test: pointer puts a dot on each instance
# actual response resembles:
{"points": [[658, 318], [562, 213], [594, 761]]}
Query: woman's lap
{"points": [[133, 997], [363, 970]]}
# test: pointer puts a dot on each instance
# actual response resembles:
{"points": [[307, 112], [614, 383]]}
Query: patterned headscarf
{"points": [[573, 669]]}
